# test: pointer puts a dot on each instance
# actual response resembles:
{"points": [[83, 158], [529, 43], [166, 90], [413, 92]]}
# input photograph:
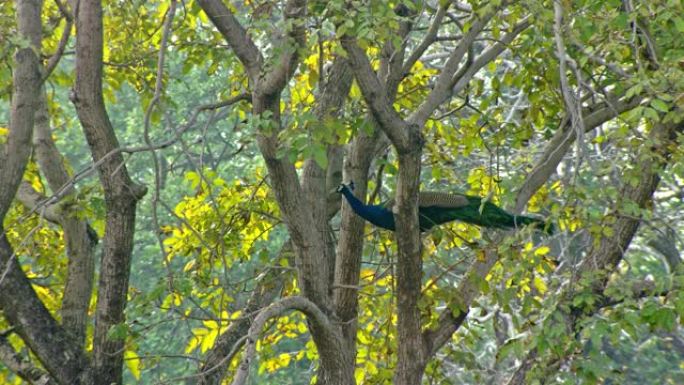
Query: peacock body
{"points": [[436, 208]]}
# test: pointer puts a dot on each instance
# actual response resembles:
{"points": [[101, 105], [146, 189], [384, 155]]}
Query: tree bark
{"points": [[23, 368], [79, 237], [18, 301], [120, 193], [412, 354], [25, 85]]}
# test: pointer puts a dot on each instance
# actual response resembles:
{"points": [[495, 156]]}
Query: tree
{"points": [[413, 95]]}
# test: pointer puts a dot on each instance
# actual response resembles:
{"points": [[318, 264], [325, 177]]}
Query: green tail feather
{"points": [[491, 216]]}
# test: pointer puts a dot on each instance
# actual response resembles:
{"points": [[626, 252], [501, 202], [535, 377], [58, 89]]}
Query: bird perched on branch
{"points": [[435, 208]]}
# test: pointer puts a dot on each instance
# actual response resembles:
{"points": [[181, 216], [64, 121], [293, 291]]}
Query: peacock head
{"points": [[343, 186]]}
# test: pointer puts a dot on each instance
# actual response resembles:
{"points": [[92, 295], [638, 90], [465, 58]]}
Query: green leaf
{"points": [[320, 156], [660, 105], [118, 332], [679, 24], [651, 114]]}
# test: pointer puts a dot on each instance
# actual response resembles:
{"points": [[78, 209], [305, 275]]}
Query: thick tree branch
{"points": [[376, 96], [63, 40], [314, 178], [558, 146], [429, 38], [350, 245], [121, 194], [276, 79], [25, 85], [235, 35], [78, 235], [392, 56], [58, 353], [443, 83], [24, 369], [411, 351]]}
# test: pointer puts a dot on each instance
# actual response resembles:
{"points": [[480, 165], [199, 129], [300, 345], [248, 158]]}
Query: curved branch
{"points": [[269, 285], [315, 316], [608, 251]]}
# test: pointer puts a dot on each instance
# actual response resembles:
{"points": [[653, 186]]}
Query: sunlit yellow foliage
{"points": [[204, 337], [222, 221], [414, 87], [484, 184], [133, 363]]}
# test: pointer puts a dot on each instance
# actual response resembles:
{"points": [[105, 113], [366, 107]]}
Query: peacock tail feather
{"points": [[436, 208]]}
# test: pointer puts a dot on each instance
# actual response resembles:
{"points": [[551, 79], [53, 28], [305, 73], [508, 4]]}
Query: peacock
{"points": [[436, 208]]}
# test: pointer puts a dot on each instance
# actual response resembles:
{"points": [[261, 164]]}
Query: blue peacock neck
{"points": [[354, 202], [376, 215]]}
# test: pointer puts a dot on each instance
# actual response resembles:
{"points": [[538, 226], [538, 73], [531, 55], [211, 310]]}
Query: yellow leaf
{"points": [[208, 341], [301, 327], [284, 360], [359, 375], [192, 345], [539, 284], [133, 363], [542, 251], [210, 324], [189, 266]]}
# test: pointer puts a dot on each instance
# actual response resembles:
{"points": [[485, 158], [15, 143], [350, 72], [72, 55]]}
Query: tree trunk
{"points": [[121, 194]]}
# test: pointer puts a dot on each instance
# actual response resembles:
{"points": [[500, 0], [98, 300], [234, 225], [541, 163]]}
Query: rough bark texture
{"points": [[121, 194], [411, 355], [25, 84], [33, 322], [19, 302], [80, 239], [304, 207], [22, 367], [350, 245]]}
